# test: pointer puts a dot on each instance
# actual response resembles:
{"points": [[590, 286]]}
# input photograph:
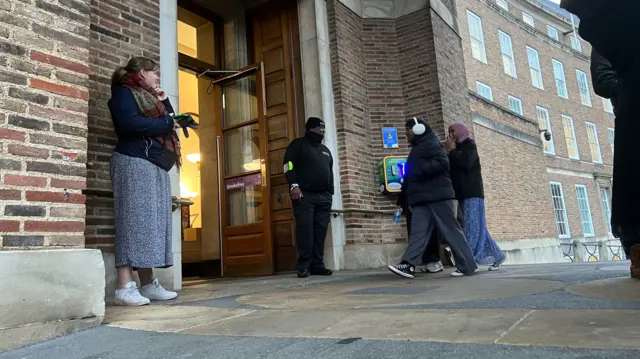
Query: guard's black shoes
{"points": [[321, 271], [303, 273]]}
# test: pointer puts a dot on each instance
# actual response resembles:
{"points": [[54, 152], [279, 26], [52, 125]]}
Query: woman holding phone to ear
{"points": [[148, 147]]}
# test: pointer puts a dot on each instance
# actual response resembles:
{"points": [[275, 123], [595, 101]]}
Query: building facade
{"points": [[251, 72], [527, 70]]}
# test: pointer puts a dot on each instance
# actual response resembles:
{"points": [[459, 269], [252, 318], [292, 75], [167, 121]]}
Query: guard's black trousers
{"points": [[312, 221]]}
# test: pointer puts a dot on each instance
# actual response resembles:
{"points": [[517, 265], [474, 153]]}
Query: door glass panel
{"points": [[244, 199], [240, 102], [241, 150]]}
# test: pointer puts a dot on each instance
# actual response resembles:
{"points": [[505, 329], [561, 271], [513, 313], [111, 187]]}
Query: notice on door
{"points": [[242, 182]]}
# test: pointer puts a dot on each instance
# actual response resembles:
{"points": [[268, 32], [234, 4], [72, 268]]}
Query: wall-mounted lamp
{"points": [[193, 157], [546, 134]]}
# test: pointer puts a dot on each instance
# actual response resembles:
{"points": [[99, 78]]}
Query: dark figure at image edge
{"points": [[608, 26], [430, 195], [308, 167]]}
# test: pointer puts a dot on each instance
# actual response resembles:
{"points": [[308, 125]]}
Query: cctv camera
{"points": [[547, 136]]}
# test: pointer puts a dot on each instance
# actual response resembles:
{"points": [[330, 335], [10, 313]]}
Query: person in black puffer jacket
{"points": [[429, 194]]}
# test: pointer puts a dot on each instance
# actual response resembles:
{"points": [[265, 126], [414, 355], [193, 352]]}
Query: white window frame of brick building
{"points": [[561, 81], [576, 44], [608, 106], [544, 122], [582, 195], [534, 68], [503, 4], [553, 33], [478, 49], [560, 210], [583, 86], [515, 105], [508, 58], [606, 207], [594, 143], [484, 90], [570, 137], [612, 138], [528, 19]]}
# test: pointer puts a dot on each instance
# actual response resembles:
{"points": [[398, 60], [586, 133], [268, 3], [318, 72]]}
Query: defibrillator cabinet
{"points": [[391, 170]]}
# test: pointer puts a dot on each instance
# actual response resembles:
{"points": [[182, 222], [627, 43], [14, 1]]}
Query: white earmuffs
{"points": [[418, 129]]}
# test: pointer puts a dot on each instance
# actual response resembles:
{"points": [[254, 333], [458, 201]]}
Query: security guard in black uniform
{"points": [[308, 166]]}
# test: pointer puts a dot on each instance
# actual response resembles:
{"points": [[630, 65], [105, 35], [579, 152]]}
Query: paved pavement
{"points": [[576, 310]]}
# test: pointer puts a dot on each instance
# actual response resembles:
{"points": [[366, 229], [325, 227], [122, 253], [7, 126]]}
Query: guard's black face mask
{"points": [[315, 136]]}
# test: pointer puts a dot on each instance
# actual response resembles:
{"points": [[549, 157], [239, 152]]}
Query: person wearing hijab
{"points": [[429, 194], [466, 175], [308, 167]]}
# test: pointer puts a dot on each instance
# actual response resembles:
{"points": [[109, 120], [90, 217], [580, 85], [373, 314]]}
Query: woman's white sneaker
{"points": [[130, 296], [155, 291]]}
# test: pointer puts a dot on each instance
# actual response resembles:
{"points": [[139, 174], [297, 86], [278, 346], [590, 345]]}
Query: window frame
{"points": [[480, 84], [607, 105], [555, 29], [524, 17], [503, 4], [596, 142], [555, 62], [510, 54], [552, 150], [471, 15], [611, 133], [588, 211], [519, 101], [531, 50], [576, 43], [605, 202], [584, 96], [195, 64], [563, 210], [574, 139]]}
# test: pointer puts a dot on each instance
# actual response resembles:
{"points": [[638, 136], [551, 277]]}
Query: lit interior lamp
{"points": [[193, 157], [185, 193], [252, 166]]}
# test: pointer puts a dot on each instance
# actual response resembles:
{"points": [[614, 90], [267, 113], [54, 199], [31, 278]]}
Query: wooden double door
{"points": [[262, 112]]}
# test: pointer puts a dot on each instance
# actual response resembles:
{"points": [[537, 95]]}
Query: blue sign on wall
{"points": [[390, 137]]}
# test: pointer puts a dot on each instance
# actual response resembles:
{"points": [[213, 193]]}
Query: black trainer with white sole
{"points": [[403, 270]]}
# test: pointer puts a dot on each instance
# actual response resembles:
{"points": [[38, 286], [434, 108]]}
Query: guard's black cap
{"points": [[314, 122]]}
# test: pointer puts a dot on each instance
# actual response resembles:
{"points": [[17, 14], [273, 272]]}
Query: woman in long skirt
{"points": [[466, 175], [148, 147]]}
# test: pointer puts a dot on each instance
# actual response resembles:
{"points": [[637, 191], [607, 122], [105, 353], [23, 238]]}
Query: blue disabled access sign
{"points": [[390, 137]]}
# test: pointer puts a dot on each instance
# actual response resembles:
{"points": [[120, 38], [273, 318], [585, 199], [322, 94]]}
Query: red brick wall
{"points": [[119, 30], [385, 70], [44, 52]]}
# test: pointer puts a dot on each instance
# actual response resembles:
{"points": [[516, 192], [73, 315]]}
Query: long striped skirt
{"points": [[142, 205], [484, 248]]}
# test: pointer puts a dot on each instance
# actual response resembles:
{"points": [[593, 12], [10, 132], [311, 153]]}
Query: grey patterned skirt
{"points": [[142, 204]]}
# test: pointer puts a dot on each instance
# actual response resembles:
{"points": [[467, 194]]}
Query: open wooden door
{"points": [[276, 42], [247, 249]]}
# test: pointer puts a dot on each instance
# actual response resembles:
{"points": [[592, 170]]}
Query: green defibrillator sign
{"points": [[391, 170]]}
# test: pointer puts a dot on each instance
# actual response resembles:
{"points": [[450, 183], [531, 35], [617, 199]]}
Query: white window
{"points": [[545, 124], [478, 50], [534, 68], [560, 210], [612, 137], [515, 105], [508, 60], [606, 208], [583, 86], [503, 4], [585, 211], [576, 44], [484, 90], [528, 19], [608, 106], [561, 82], [594, 143], [553, 33], [570, 136]]}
